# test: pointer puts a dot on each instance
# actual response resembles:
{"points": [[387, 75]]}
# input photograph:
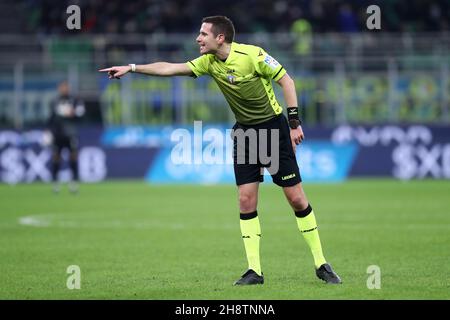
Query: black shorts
{"points": [[63, 141], [272, 150]]}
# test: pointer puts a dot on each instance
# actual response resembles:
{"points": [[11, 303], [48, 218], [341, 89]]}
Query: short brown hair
{"points": [[221, 25]]}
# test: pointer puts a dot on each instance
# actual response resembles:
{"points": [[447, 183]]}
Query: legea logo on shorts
{"points": [[290, 176]]}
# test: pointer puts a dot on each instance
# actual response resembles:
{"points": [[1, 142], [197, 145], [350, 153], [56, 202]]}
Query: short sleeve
{"points": [[268, 67], [199, 66]]}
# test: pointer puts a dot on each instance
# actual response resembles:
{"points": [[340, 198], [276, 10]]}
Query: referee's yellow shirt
{"points": [[245, 78]]}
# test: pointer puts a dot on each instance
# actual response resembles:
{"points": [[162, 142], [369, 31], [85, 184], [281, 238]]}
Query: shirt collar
{"points": [[230, 54]]}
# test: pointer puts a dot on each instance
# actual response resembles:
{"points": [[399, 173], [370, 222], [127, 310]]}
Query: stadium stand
{"points": [[344, 72]]}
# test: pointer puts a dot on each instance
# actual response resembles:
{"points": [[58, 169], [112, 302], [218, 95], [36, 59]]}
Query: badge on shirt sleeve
{"points": [[271, 62]]}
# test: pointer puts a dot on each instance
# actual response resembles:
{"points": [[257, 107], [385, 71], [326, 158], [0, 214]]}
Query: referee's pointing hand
{"points": [[116, 72]]}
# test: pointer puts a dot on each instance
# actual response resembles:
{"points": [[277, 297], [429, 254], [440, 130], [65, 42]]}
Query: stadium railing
{"points": [[343, 78]]}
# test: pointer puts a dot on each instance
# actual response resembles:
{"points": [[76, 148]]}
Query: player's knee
{"points": [[247, 202], [297, 201]]}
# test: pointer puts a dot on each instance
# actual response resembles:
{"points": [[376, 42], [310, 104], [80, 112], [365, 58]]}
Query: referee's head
{"points": [[221, 25]]}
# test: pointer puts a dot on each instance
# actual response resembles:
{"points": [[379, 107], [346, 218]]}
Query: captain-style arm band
{"points": [[293, 117]]}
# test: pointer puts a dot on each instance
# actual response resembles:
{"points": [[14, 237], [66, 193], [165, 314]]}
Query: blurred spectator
{"points": [[347, 19], [301, 28]]}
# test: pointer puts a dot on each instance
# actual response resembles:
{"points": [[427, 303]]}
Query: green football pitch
{"points": [[132, 240]]}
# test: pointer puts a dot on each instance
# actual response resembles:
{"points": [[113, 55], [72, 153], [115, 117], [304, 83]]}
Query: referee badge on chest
{"points": [[230, 76]]}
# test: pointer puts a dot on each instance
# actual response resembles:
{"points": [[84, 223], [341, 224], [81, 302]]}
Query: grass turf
{"points": [[138, 241]]}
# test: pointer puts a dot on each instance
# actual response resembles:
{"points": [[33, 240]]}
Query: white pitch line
{"points": [[33, 221], [56, 220]]}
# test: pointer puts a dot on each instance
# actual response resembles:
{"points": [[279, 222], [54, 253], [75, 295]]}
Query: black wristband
{"points": [[293, 118]]}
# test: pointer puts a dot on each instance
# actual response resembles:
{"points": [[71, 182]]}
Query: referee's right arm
{"points": [[163, 69]]}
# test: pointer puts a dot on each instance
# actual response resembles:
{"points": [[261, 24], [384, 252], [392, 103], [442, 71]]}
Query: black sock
{"points": [[55, 170], [74, 168]]}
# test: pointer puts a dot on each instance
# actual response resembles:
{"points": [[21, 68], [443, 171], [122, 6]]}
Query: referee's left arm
{"points": [[288, 86], [290, 96]]}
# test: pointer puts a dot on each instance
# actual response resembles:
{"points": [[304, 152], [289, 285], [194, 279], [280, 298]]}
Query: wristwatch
{"points": [[294, 123]]}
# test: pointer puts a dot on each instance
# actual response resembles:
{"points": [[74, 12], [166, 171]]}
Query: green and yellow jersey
{"points": [[245, 78]]}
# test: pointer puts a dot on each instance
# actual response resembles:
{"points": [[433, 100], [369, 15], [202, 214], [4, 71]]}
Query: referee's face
{"points": [[206, 40]]}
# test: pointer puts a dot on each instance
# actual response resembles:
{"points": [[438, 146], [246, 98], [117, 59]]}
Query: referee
{"points": [[244, 73]]}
